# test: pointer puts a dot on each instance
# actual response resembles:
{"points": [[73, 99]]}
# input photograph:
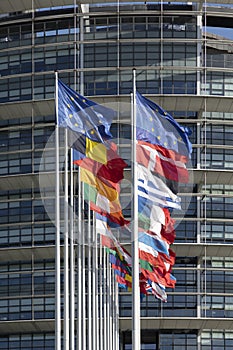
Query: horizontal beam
{"points": [[181, 323], [192, 103], [25, 5]]}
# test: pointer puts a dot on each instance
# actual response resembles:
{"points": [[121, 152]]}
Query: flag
{"points": [[153, 257], [149, 287], [154, 189], [151, 274], [153, 160], [116, 218], [103, 161], [154, 242], [121, 268], [167, 230], [103, 187], [119, 258], [102, 200], [150, 216], [109, 240], [163, 149], [157, 127], [83, 116]]}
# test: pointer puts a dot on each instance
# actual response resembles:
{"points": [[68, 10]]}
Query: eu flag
{"points": [[157, 127], [83, 116]]}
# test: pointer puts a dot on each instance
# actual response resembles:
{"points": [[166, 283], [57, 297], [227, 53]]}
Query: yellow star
{"points": [[68, 105], [152, 129], [165, 143], [70, 115], [158, 137], [165, 113], [151, 119], [76, 124], [92, 132], [72, 99], [84, 100], [174, 142]]}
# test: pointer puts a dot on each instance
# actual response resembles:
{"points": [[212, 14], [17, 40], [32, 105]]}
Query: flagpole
{"points": [[105, 300], [94, 314], [72, 276], [57, 223], [79, 267], [117, 315], [95, 284], [101, 343], [108, 305], [136, 338], [89, 278], [66, 252], [84, 304]]}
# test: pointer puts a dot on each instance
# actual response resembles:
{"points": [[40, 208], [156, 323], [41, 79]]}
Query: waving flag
{"points": [[149, 287], [83, 116], [153, 160], [157, 127], [154, 242], [119, 258], [155, 190], [101, 159], [162, 151], [150, 216]]}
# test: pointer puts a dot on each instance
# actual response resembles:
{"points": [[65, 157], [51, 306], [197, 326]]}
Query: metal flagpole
{"points": [[101, 342], [57, 223], [134, 217], [79, 267], [72, 261], [113, 312], [66, 252], [117, 315], [108, 303], [105, 300], [89, 289], [95, 315], [94, 311], [83, 276]]}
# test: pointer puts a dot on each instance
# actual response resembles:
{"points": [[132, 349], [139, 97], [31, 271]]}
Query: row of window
{"points": [[101, 83], [33, 162], [164, 340], [105, 55], [37, 341], [29, 235], [27, 162], [40, 234], [38, 283], [176, 306], [26, 266], [179, 306], [139, 54], [112, 27], [12, 140], [46, 59], [27, 308]]}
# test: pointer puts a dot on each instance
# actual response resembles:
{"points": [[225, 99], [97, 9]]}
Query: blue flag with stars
{"points": [[83, 116], [157, 127]]}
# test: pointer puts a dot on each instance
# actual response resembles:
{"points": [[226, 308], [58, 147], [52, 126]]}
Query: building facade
{"points": [[182, 52]]}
